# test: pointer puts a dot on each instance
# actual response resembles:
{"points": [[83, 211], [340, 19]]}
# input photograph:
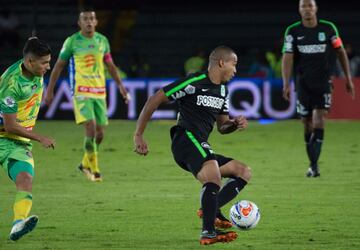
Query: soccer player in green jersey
{"points": [[21, 88], [88, 52]]}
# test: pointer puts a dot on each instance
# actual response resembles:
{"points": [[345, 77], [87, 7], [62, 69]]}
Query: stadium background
{"points": [[150, 203], [166, 34]]}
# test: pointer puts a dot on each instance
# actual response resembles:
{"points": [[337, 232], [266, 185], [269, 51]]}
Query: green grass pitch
{"points": [[150, 203]]}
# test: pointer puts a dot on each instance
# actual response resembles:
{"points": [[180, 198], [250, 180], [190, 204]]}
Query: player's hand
{"points": [[140, 145], [286, 92], [350, 89], [49, 96], [241, 122], [124, 94], [47, 142]]}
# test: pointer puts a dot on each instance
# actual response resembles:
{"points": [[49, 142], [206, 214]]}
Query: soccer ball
{"points": [[244, 215]]}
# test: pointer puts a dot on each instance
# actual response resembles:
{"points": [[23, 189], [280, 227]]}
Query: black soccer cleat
{"points": [[313, 171]]}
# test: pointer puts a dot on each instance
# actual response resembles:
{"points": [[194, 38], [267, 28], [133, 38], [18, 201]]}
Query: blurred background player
{"points": [[88, 52], [21, 88], [306, 50], [195, 63], [202, 100]]}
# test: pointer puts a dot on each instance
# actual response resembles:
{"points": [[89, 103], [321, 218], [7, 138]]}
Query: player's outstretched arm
{"points": [[225, 125], [11, 126], [115, 75], [54, 76], [286, 70], [149, 108], [344, 61]]}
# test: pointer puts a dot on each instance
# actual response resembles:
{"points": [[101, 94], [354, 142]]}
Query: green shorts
{"points": [[16, 157], [87, 109]]}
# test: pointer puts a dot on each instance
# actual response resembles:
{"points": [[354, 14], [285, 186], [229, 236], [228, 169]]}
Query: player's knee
{"points": [[99, 136], [90, 128], [242, 170], [214, 178], [209, 173], [24, 181]]}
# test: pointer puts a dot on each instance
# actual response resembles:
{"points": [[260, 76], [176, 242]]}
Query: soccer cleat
{"points": [[96, 177], [23, 227], [220, 220], [86, 171], [225, 236], [208, 238], [313, 171]]}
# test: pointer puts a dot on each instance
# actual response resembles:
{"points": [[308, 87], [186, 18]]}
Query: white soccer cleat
{"points": [[23, 227]]}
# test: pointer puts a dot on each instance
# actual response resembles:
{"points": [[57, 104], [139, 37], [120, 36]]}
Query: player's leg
{"points": [[20, 168], [99, 136], [239, 175], [196, 157], [304, 108], [321, 102], [317, 139], [100, 111], [210, 177], [308, 133], [84, 114], [90, 154]]}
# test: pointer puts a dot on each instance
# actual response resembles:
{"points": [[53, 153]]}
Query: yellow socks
{"points": [[90, 158], [22, 205]]}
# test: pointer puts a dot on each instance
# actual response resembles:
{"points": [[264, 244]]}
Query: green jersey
{"points": [[86, 65], [21, 96]]}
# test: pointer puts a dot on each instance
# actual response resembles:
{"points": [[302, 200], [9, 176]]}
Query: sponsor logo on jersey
{"points": [[89, 60], [93, 90], [312, 49], [190, 89], [222, 91], [289, 38], [178, 95], [9, 101], [205, 145], [32, 102], [210, 101], [321, 36]]}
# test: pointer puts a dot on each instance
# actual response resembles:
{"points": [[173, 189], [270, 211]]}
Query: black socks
{"points": [[230, 190], [209, 201], [313, 145]]}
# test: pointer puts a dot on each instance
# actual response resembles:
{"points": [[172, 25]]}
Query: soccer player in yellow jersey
{"points": [[87, 52], [21, 88]]}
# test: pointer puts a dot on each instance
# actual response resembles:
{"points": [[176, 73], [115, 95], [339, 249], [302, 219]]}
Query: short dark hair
{"points": [[221, 52], [87, 9], [36, 47]]}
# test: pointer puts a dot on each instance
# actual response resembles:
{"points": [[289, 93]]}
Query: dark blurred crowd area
{"points": [[159, 39]]}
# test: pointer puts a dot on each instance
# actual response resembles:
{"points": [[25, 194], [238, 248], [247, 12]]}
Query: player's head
{"points": [[223, 60], [87, 21], [307, 9], [37, 56]]}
